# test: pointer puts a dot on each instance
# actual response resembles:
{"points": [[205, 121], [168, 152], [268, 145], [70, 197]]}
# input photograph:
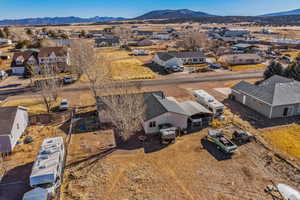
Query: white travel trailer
{"points": [[47, 169], [210, 102]]}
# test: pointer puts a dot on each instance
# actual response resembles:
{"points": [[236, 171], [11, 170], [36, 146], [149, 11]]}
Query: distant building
{"points": [[13, 122], [5, 42], [107, 42], [236, 33], [161, 36], [172, 59], [58, 57], [240, 59]]}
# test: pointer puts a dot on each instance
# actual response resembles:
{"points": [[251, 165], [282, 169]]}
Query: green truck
{"points": [[223, 143]]}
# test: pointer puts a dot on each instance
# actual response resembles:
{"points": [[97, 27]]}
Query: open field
{"points": [[125, 66], [285, 139]]}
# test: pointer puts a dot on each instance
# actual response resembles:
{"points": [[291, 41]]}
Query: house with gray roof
{"points": [[158, 110], [275, 97], [13, 122], [178, 58]]}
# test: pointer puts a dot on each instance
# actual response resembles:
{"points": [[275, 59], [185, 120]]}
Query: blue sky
{"points": [[13, 9]]}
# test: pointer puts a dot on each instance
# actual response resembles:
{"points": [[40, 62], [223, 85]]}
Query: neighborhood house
{"points": [[241, 59], [274, 98], [56, 56], [174, 59], [13, 122]]}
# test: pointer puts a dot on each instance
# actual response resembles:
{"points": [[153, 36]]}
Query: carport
{"points": [[36, 194], [198, 115]]}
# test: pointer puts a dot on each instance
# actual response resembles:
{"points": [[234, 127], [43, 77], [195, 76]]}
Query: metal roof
{"points": [[7, 118], [193, 108]]}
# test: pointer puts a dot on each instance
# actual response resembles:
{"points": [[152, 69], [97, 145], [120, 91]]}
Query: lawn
{"points": [[247, 67], [285, 139]]}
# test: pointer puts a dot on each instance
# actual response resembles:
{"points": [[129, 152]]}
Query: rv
{"points": [[209, 102], [47, 169]]}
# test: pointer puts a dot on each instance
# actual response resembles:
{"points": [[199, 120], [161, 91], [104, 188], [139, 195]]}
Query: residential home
{"points": [[144, 33], [236, 33], [107, 42], [172, 59], [13, 122], [5, 42], [161, 36], [145, 42], [57, 57], [240, 59], [275, 97], [21, 60], [158, 110]]}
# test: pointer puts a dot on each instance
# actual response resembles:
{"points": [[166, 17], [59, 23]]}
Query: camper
{"points": [[47, 169], [210, 102]]}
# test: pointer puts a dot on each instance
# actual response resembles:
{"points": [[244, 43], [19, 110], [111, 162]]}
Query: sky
{"points": [[16, 9]]}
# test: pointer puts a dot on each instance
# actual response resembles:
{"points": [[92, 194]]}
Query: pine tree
{"points": [[2, 34], [293, 71], [274, 68]]}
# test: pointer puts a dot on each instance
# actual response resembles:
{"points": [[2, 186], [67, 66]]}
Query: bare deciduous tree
{"points": [[194, 41], [120, 103]]}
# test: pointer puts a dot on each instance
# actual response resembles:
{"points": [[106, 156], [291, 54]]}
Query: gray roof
{"points": [[158, 105], [193, 108], [275, 91], [179, 54], [7, 117]]}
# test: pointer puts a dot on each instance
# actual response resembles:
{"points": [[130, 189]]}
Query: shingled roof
{"points": [[7, 118], [179, 54], [275, 91]]}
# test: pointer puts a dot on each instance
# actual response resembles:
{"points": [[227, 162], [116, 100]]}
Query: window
{"points": [[18, 126], [152, 124]]}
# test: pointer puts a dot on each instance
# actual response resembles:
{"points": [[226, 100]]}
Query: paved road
{"points": [[170, 81]]}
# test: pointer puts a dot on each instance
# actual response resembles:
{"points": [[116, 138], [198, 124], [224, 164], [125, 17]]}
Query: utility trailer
{"points": [[223, 143]]}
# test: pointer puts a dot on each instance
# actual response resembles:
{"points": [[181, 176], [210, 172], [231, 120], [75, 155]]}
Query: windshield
{"points": [[164, 126], [64, 103], [45, 185]]}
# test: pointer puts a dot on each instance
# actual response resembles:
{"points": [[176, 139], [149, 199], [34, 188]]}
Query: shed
{"points": [[36, 194], [198, 114]]}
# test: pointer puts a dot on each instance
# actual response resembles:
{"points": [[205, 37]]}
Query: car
{"points": [[214, 66], [64, 105], [69, 80], [177, 69]]}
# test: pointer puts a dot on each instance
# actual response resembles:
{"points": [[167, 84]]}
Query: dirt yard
{"points": [[190, 169]]}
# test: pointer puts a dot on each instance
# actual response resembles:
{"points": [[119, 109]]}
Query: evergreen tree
{"points": [[293, 71], [6, 31], [274, 68], [2, 34]]}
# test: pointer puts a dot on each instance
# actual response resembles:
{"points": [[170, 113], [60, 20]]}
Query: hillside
{"points": [[172, 14], [55, 20], [291, 12]]}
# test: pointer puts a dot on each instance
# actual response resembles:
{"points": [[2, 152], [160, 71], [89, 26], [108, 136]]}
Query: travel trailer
{"points": [[210, 102], [47, 169]]}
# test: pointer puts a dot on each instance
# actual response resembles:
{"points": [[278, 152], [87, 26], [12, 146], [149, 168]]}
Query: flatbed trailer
{"points": [[223, 143]]}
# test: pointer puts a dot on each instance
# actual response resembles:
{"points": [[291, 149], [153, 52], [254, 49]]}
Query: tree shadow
{"points": [[256, 119], [10, 86], [214, 151], [156, 68], [15, 182]]}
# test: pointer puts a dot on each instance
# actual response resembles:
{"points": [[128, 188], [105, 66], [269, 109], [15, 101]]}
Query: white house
{"points": [[161, 36], [174, 59], [13, 122], [159, 110]]}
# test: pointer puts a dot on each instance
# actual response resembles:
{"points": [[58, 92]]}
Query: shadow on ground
{"points": [[214, 151], [15, 182], [256, 119]]}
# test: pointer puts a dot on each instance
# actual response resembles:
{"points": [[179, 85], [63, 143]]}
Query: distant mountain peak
{"points": [[290, 12], [56, 20], [172, 14]]}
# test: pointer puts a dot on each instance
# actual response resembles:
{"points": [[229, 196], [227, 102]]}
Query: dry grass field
{"points": [[125, 66], [285, 139], [248, 67]]}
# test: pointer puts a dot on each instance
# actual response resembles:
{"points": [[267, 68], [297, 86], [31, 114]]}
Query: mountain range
{"points": [[56, 20], [172, 14], [291, 12], [153, 15]]}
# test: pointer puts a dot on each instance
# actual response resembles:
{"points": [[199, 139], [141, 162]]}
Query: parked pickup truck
{"points": [[222, 142], [242, 137], [167, 133]]}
